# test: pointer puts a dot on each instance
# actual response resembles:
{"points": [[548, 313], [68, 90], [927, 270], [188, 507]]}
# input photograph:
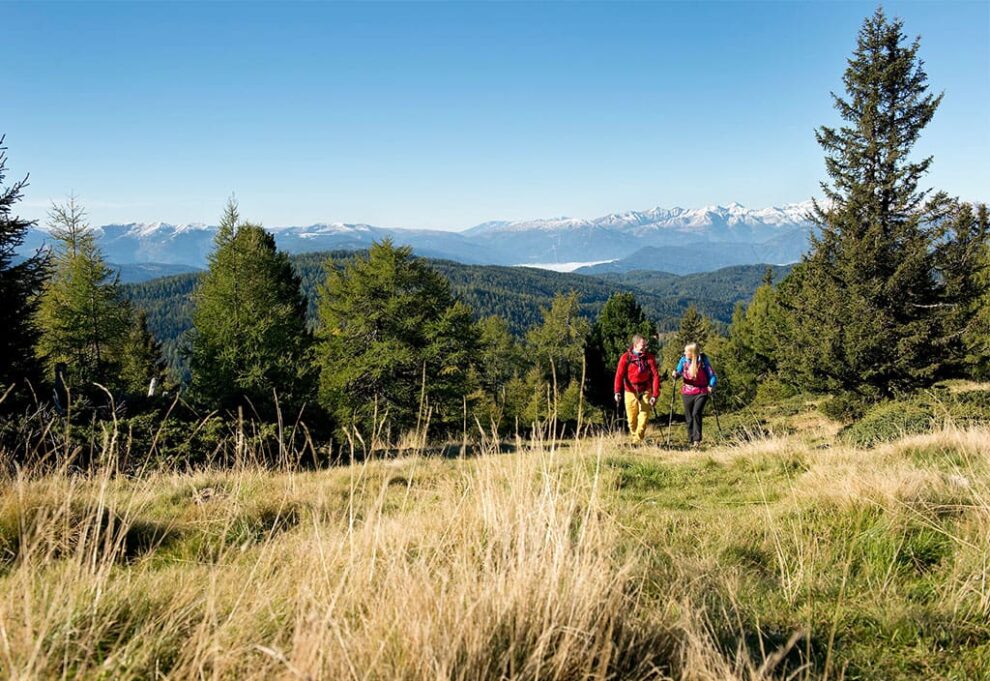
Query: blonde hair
{"points": [[692, 368]]}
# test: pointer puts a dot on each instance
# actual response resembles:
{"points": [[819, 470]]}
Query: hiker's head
{"points": [[639, 344], [692, 350]]}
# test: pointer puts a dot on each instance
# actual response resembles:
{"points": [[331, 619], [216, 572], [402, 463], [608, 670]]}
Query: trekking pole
{"points": [[715, 408], [670, 419]]}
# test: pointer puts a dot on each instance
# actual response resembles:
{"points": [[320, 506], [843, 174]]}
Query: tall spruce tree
{"points": [[964, 270], [82, 312], [394, 344], [620, 318], [861, 302], [250, 347], [20, 280], [978, 336]]}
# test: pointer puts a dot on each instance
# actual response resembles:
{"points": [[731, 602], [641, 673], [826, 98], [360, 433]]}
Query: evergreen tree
{"points": [[861, 301], [394, 344], [250, 345], [82, 313], [19, 283], [618, 321], [964, 269], [693, 327], [141, 358], [752, 353], [978, 336]]}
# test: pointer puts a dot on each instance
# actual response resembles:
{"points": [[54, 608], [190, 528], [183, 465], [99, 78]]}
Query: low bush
{"points": [[844, 407], [970, 406], [917, 413], [889, 421], [774, 390]]}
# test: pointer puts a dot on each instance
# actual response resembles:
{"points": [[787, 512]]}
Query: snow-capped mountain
{"points": [[698, 220], [618, 235], [555, 240]]}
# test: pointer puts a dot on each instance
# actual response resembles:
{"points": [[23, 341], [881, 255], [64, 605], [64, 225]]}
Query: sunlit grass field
{"points": [[782, 554]]}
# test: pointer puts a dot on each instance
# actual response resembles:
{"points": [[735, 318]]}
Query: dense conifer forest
{"points": [[515, 294]]}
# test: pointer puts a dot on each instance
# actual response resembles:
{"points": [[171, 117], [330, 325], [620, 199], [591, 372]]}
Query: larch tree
{"points": [[82, 312], [556, 350], [693, 327], [500, 357]]}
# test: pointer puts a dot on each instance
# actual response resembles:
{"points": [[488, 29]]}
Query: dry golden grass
{"points": [[549, 563], [402, 569]]}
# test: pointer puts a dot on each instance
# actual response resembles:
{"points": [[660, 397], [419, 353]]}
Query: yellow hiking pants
{"points": [[638, 413]]}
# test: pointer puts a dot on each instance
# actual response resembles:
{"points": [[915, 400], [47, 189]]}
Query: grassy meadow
{"points": [[783, 552]]}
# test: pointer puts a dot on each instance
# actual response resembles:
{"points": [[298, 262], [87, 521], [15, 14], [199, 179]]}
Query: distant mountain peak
{"points": [[150, 228], [688, 219]]}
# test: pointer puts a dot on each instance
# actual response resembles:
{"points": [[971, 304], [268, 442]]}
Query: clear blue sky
{"points": [[446, 115]]}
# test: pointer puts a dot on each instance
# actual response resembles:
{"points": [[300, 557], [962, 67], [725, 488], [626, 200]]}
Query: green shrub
{"points": [[889, 421], [844, 407], [970, 406], [773, 390]]}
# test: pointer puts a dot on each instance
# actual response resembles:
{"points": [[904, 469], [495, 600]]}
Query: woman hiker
{"points": [[699, 382], [638, 378]]}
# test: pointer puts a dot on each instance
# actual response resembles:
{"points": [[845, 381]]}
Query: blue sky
{"points": [[445, 115]]}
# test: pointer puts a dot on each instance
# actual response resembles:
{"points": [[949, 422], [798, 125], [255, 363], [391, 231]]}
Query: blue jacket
{"points": [[705, 364]]}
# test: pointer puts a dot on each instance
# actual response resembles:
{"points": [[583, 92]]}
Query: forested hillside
{"points": [[729, 283], [516, 294]]}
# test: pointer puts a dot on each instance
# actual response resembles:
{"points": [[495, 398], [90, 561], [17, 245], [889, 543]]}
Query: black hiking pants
{"points": [[693, 406]]}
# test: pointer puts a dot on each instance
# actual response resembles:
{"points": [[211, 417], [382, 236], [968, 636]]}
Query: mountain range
{"points": [[676, 240]]}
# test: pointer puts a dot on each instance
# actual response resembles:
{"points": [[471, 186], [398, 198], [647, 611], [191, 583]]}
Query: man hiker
{"points": [[638, 378]]}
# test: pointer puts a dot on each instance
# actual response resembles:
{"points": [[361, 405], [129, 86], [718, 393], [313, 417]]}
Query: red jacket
{"points": [[637, 375]]}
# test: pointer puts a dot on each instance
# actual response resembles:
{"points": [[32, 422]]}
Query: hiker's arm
{"points": [[620, 373]]}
